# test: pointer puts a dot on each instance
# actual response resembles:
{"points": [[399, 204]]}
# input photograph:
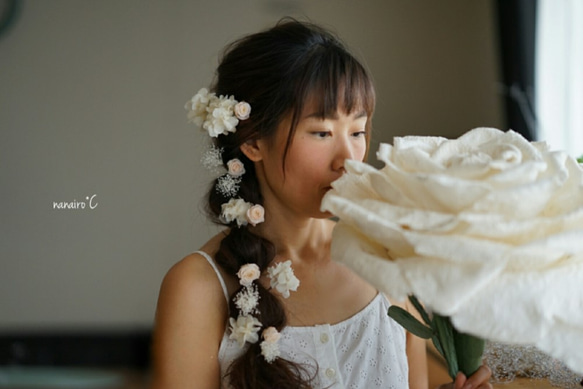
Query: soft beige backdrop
{"points": [[91, 103]]}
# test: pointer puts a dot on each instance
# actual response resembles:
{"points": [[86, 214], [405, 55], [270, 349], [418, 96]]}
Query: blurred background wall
{"points": [[91, 111]]}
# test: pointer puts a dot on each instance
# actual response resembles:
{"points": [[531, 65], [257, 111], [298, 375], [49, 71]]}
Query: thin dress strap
{"points": [[219, 275]]}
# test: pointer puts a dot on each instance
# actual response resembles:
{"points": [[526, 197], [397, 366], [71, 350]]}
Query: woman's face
{"points": [[314, 159]]}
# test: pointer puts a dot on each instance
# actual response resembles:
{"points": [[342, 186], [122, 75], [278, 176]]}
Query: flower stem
{"points": [[469, 350], [462, 352]]}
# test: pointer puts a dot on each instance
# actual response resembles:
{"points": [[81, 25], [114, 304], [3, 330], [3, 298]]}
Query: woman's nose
{"points": [[344, 150]]}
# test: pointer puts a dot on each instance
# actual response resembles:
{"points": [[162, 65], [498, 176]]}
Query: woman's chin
{"points": [[324, 215]]}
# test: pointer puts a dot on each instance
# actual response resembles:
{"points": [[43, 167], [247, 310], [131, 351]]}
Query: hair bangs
{"points": [[332, 80], [336, 82]]}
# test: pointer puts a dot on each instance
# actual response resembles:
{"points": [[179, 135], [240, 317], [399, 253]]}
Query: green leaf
{"points": [[409, 322], [580, 159], [420, 309], [469, 350], [444, 333]]}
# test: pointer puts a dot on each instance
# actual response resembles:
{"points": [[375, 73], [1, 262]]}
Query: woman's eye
{"points": [[359, 134], [321, 134]]}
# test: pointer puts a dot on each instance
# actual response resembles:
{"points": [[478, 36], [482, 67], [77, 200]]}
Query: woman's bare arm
{"points": [[189, 325]]}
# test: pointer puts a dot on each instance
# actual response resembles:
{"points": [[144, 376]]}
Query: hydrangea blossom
{"points": [[244, 329], [235, 210], [217, 115], [282, 278]]}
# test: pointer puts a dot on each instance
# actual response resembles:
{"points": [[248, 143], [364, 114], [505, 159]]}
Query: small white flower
{"points": [[282, 278], [248, 273], [197, 106], [271, 335], [270, 351], [217, 115], [228, 185], [244, 329], [236, 167], [242, 110], [247, 300], [255, 215], [211, 159], [270, 346], [220, 119], [235, 209]]}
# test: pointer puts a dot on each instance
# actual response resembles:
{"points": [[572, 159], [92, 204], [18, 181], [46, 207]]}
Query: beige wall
{"points": [[91, 103]]}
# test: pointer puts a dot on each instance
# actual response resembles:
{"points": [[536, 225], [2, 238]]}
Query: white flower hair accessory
{"points": [[248, 273], [246, 300], [243, 212], [242, 110], [282, 278], [211, 158], [269, 345], [228, 184], [255, 215], [244, 329], [217, 115], [235, 210], [236, 167]]}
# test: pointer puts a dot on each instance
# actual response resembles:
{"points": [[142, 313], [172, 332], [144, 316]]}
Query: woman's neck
{"points": [[298, 239]]}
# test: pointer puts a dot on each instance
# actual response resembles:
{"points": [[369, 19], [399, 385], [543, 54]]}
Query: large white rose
{"points": [[486, 229]]}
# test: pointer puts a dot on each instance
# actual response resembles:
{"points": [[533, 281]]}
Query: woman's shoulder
{"points": [[190, 320], [193, 275]]}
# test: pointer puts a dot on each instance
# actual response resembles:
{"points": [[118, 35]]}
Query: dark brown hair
{"points": [[276, 71]]}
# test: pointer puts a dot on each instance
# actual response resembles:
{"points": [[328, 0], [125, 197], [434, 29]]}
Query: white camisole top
{"points": [[365, 351]]}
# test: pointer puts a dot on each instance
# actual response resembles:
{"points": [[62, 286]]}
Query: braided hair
{"points": [[275, 71]]}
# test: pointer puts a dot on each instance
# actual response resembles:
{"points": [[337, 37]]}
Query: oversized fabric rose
{"points": [[486, 229]]}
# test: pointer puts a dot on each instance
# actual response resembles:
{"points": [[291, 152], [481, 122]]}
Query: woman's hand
{"points": [[479, 380]]}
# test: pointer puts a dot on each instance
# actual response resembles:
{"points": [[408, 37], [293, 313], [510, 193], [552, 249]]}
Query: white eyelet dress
{"points": [[365, 351]]}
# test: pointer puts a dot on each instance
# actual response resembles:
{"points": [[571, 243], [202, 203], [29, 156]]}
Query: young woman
{"points": [[262, 304]]}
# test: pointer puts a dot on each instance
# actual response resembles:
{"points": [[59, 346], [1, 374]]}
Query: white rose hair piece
{"points": [[245, 329], [220, 116], [242, 212], [217, 115], [270, 346]]}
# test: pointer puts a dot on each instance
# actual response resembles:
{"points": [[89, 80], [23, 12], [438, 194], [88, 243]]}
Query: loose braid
{"points": [[240, 247], [275, 71]]}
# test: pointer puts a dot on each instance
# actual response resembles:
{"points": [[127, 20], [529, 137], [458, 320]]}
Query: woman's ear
{"points": [[251, 150]]}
